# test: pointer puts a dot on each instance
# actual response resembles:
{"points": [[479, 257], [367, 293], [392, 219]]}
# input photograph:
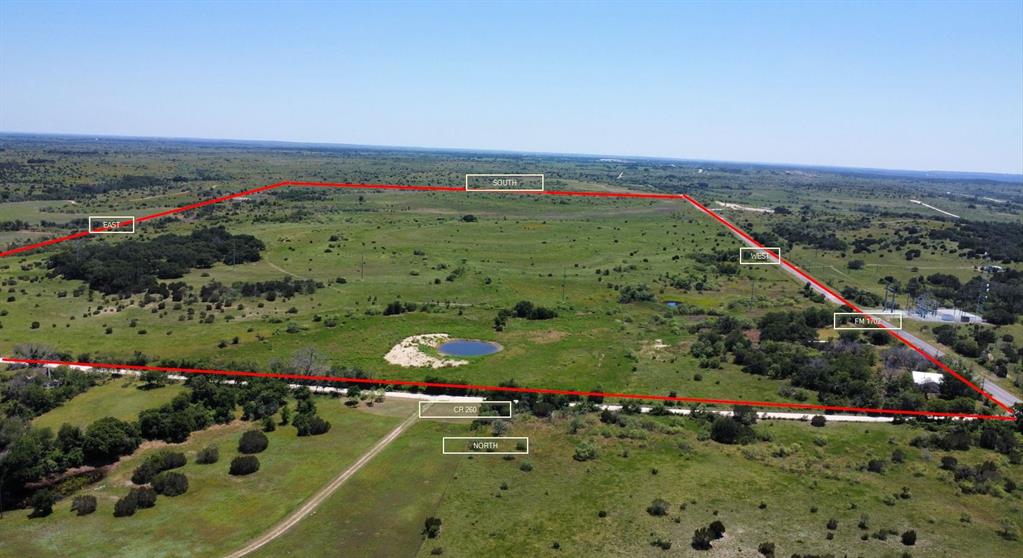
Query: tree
{"points": [[766, 549], [157, 463], [145, 497], [42, 503], [170, 483], [431, 527], [109, 438], [310, 424], [83, 505], [727, 430], [207, 455], [126, 506], [153, 379], [717, 529], [253, 441], [909, 538], [702, 538], [309, 362], [244, 465]]}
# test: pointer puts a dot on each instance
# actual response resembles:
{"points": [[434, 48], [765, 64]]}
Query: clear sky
{"points": [[905, 85]]}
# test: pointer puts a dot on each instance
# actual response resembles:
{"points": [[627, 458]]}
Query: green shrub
{"points": [[253, 441], [83, 505], [144, 497], [126, 506], [244, 465], [207, 455], [170, 483]]}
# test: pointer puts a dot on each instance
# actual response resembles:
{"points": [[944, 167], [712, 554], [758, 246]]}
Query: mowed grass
{"points": [[118, 398], [381, 510], [405, 246], [219, 513]]}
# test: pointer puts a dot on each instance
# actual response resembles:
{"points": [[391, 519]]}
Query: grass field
{"points": [[380, 511], [118, 398], [558, 252], [391, 246], [219, 512], [801, 479]]}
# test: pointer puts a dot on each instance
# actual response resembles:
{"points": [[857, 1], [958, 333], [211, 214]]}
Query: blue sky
{"points": [[912, 85]]}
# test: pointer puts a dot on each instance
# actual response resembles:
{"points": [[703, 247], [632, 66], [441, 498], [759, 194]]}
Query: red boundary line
{"points": [[214, 372], [634, 195], [840, 298]]}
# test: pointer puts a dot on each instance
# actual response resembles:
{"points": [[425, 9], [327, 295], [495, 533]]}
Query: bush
{"points": [[875, 466], [658, 507], [661, 543], [244, 465], [585, 451], [717, 529], [727, 430], [126, 506], [207, 455], [431, 527], [156, 464], [42, 503], [170, 483], [702, 538], [832, 524], [818, 421], [310, 425], [766, 549], [145, 497], [253, 441], [83, 505], [909, 538]]}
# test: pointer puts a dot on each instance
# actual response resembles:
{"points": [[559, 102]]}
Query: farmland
{"points": [[638, 296]]}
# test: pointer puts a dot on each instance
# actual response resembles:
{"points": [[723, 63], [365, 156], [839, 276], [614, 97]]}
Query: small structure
{"points": [[923, 378]]}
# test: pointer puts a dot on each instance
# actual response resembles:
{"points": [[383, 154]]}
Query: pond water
{"points": [[671, 304], [468, 347]]}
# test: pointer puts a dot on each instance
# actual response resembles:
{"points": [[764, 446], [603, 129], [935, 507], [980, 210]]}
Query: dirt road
{"points": [[310, 505]]}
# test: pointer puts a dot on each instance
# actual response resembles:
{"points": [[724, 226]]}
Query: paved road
{"points": [[763, 415], [324, 492], [996, 391]]}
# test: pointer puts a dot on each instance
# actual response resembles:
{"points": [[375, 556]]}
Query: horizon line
{"points": [[1016, 176]]}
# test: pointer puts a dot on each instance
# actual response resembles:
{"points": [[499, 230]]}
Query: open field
{"points": [[118, 398], [803, 478], [379, 266], [407, 246], [219, 512]]}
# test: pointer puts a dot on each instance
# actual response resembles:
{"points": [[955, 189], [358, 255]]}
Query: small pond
{"points": [[671, 304], [468, 348]]}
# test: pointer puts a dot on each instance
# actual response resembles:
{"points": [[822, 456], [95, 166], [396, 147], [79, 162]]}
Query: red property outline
{"points": [[637, 195]]}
